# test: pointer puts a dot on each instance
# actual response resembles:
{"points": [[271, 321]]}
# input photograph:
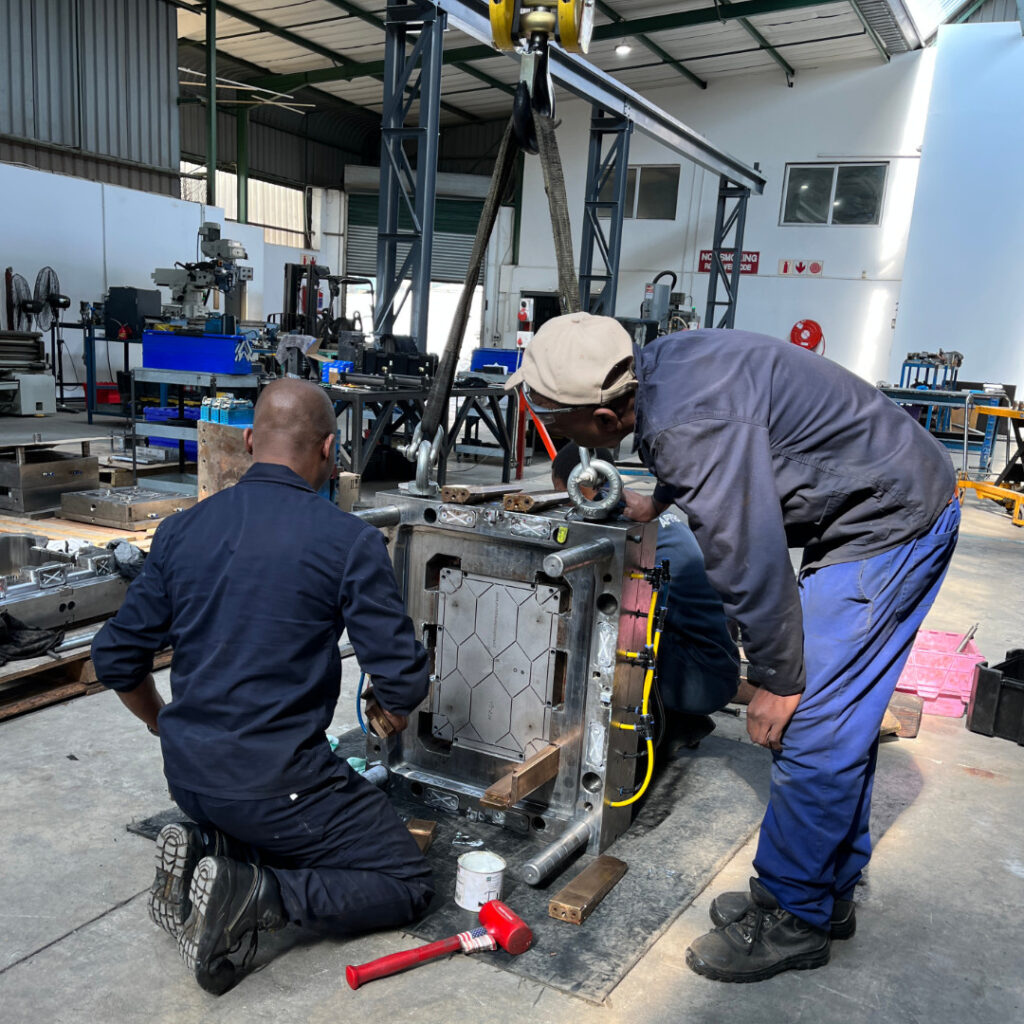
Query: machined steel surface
{"points": [[123, 508], [34, 478], [521, 658], [54, 589]]}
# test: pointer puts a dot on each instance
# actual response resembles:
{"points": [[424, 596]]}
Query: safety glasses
{"points": [[542, 412]]}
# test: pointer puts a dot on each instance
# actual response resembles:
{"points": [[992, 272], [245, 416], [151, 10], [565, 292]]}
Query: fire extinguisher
{"points": [[808, 334]]}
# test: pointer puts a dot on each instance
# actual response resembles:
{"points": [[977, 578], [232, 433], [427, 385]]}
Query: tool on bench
{"points": [[500, 927]]}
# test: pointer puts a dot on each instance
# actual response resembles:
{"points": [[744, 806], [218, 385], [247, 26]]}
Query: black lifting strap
{"points": [[568, 283]]}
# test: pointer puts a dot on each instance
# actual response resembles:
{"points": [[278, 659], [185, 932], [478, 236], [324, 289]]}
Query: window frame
{"points": [[835, 165], [630, 213]]}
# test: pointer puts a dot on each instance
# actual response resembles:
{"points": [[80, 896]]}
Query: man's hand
{"points": [[641, 508], [374, 714], [768, 714], [400, 722]]}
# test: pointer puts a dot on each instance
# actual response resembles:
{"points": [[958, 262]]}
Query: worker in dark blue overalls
{"points": [[698, 664], [767, 447], [252, 588]]}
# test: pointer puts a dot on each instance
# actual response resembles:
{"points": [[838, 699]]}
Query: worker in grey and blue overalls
{"points": [[767, 447], [252, 588]]}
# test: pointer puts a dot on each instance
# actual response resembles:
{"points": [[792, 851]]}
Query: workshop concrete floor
{"points": [[940, 930]]}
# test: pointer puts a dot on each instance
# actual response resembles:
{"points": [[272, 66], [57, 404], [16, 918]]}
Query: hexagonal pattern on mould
{"points": [[495, 663]]}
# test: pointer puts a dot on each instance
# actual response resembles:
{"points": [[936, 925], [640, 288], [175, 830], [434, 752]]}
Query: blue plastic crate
{"points": [[200, 353], [159, 414], [341, 365]]}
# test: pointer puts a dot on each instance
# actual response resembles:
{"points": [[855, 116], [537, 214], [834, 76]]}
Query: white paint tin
{"points": [[479, 879]]}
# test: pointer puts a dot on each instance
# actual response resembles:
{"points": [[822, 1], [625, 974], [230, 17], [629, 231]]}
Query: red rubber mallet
{"points": [[500, 926]]}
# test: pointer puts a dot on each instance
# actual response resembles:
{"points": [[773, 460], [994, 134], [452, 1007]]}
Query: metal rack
{"points": [[180, 379]]}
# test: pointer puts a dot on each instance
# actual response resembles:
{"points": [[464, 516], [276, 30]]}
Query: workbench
{"points": [[371, 416], [968, 401]]}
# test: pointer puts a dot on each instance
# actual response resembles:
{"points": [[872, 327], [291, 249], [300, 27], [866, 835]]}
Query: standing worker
{"points": [[767, 447], [252, 588]]}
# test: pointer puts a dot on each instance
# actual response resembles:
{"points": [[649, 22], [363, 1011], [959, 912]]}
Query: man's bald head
{"points": [[293, 413], [291, 426]]}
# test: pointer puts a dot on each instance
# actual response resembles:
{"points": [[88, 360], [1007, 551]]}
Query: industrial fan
{"points": [[22, 308], [48, 297]]}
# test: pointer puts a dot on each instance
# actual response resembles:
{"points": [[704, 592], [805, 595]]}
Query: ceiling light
{"points": [[623, 49]]}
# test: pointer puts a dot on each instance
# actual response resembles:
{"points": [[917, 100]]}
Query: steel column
{"points": [[211, 102], [604, 236], [242, 164], [726, 221], [408, 163]]}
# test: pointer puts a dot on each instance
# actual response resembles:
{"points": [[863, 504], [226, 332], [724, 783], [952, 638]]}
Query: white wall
{"points": [[963, 285], [96, 236], [854, 112]]}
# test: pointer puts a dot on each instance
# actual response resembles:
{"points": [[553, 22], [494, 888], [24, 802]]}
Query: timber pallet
{"points": [[65, 529], [35, 683]]}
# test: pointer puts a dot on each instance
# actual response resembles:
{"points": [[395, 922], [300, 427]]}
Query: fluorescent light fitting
{"points": [[623, 49]]}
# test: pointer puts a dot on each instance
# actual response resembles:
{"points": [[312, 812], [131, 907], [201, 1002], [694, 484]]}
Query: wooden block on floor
{"points": [[581, 897], [906, 708]]}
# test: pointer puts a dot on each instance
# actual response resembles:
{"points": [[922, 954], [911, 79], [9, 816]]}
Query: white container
{"points": [[479, 879]]}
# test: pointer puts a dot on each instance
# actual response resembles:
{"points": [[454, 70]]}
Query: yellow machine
{"points": [[522, 24]]}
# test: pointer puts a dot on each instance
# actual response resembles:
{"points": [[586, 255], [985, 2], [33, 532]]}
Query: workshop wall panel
{"points": [[961, 289], [91, 78]]}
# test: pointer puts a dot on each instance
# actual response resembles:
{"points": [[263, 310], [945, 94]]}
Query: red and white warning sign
{"points": [[749, 261], [801, 268]]}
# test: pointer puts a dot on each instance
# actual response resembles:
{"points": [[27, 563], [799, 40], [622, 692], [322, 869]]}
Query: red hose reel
{"points": [[808, 334]]}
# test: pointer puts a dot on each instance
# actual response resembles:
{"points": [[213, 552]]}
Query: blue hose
{"points": [[359, 692]]}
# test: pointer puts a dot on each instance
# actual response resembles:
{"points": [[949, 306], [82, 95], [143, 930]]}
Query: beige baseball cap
{"points": [[578, 359]]}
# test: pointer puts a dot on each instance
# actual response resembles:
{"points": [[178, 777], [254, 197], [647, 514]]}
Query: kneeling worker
{"points": [[698, 663], [767, 447], [252, 588]]}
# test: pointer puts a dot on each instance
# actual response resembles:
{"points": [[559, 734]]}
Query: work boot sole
{"points": [[209, 893], [178, 850], [798, 962], [844, 929]]}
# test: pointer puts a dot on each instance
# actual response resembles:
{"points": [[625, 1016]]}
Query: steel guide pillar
{"points": [[727, 220]]}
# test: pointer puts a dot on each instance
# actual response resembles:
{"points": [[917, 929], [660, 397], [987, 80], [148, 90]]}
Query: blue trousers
{"points": [[860, 619], [343, 859]]}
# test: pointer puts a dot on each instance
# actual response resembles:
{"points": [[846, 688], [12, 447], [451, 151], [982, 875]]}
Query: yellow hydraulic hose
{"points": [[653, 644]]}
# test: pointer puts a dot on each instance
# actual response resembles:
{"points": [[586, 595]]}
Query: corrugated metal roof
{"points": [[806, 38]]}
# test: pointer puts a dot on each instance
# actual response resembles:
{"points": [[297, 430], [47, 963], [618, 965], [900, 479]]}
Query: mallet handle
{"points": [[395, 962]]}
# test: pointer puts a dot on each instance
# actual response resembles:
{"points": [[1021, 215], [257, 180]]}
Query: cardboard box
{"points": [[956, 419], [348, 490]]}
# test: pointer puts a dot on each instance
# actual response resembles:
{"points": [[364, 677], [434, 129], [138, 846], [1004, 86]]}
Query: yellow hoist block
{"points": [[571, 22]]}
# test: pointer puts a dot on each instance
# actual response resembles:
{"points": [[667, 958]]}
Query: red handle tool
{"points": [[468, 942]]}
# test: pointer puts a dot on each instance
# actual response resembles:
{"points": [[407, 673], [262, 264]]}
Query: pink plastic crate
{"points": [[938, 674]]}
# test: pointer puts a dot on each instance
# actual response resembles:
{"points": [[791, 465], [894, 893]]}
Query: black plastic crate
{"points": [[997, 699]]}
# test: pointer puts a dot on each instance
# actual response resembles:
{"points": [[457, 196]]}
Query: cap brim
{"points": [[515, 380]]}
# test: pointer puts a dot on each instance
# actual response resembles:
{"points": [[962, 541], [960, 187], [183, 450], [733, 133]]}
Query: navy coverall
{"points": [[768, 447], [698, 664], [252, 588]]}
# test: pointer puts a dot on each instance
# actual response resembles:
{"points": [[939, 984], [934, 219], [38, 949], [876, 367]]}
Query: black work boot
{"points": [[230, 900], [179, 848], [731, 906], [765, 941]]}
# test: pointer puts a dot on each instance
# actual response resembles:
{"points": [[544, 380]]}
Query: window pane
{"points": [[608, 192], [808, 193], [859, 194], [659, 187]]}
